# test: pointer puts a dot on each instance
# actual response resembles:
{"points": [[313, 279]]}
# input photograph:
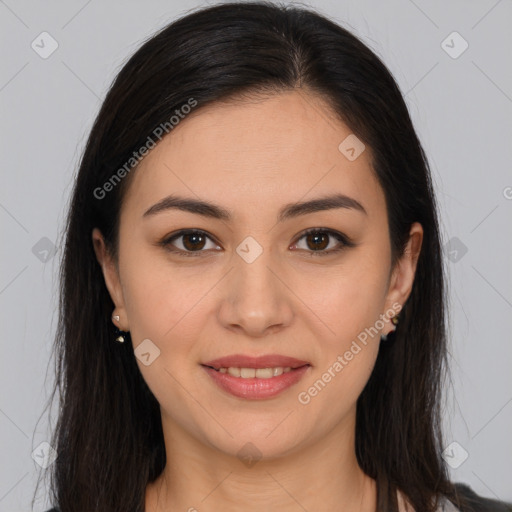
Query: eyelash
{"points": [[344, 241]]}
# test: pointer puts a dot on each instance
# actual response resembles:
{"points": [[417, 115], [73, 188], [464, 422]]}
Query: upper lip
{"points": [[266, 361]]}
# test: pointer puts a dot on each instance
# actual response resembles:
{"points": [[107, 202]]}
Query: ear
{"points": [[111, 276], [402, 277]]}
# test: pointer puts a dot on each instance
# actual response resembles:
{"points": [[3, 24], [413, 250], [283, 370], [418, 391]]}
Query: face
{"points": [[254, 282]]}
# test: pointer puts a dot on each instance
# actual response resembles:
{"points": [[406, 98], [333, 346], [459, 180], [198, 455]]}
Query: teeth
{"points": [[259, 373]]}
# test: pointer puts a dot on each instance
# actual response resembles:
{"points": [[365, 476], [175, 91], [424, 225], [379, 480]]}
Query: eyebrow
{"points": [[289, 211]]}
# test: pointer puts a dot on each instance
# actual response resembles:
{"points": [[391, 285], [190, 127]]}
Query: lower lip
{"points": [[256, 389]]}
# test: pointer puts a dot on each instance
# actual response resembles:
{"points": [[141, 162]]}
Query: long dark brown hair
{"points": [[108, 435]]}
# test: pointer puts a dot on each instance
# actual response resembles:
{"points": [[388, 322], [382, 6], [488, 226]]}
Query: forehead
{"points": [[257, 152]]}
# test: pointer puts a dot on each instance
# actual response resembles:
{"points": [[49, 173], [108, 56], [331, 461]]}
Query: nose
{"points": [[256, 301]]}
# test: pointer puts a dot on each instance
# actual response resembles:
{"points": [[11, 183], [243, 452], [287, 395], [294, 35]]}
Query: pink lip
{"points": [[256, 389], [267, 361]]}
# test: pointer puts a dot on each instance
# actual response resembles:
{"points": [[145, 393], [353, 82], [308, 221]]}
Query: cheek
{"points": [[350, 304], [348, 299], [345, 361], [329, 399], [161, 297]]}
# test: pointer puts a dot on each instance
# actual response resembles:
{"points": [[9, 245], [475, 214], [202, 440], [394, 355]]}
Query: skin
{"points": [[252, 158]]}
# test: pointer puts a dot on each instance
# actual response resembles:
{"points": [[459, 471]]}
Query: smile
{"points": [[256, 383]]}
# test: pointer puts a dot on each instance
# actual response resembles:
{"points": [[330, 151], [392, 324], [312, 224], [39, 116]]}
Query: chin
{"points": [[266, 439]]}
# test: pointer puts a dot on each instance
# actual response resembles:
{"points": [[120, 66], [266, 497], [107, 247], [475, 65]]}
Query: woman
{"points": [[252, 303]]}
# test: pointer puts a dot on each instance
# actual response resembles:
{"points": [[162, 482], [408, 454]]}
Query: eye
{"points": [[319, 239], [194, 241]]}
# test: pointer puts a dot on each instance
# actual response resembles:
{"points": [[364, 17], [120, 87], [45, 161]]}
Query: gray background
{"points": [[461, 108]]}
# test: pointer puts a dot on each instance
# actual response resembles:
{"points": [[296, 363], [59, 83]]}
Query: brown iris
{"points": [[316, 238], [197, 241]]}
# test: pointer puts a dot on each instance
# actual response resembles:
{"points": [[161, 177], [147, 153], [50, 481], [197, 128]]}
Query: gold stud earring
{"points": [[390, 336]]}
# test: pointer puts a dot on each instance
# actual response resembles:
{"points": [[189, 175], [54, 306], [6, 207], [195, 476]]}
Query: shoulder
{"points": [[476, 503], [472, 502]]}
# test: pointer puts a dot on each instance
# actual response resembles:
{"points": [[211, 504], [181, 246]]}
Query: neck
{"points": [[322, 476]]}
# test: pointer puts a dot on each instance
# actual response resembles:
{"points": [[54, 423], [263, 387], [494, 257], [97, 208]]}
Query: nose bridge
{"points": [[255, 299], [255, 278]]}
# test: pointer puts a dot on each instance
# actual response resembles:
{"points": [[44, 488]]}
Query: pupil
{"points": [[193, 245], [316, 238]]}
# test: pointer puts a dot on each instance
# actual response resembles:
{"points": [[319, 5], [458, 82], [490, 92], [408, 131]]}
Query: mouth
{"points": [[256, 378], [255, 373]]}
